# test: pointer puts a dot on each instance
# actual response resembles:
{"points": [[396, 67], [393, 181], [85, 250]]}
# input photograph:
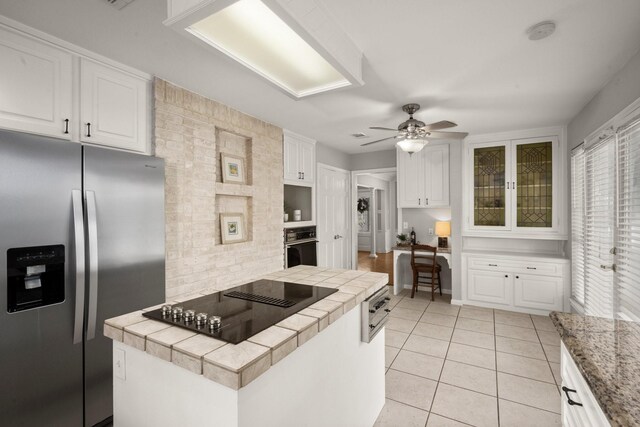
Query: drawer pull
{"points": [[571, 402], [531, 268], [493, 265]]}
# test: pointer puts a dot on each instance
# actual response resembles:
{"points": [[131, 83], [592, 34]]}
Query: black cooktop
{"points": [[247, 309]]}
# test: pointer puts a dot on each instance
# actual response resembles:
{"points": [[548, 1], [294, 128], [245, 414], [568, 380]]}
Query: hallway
{"points": [[382, 264]]}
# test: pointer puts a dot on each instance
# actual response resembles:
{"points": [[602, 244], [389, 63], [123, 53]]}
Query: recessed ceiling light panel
{"points": [[254, 33]]}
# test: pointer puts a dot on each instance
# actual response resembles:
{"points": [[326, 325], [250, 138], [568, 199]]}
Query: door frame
{"points": [[349, 235], [354, 209]]}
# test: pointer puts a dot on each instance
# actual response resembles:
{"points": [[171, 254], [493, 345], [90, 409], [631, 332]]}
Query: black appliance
{"points": [[241, 312], [300, 246]]}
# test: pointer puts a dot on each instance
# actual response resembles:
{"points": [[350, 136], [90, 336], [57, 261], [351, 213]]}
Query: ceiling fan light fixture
{"points": [[412, 145]]}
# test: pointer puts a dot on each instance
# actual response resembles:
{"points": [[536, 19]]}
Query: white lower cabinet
{"points": [[519, 283], [535, 291], [579, 407], [489, 286]]}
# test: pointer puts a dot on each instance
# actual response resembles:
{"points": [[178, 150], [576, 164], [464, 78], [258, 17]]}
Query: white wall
{"points": [[332, 157], [621, 91], [374, 160]]}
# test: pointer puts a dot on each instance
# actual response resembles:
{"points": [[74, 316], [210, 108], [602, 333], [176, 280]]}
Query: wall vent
{"points": [[119, 4]]}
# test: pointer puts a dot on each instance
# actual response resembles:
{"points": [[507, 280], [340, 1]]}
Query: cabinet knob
{"points": [[506, 275], [517, 277]]}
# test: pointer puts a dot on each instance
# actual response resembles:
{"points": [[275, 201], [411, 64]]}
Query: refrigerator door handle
{"points": [[92, 234], [78, 235]]}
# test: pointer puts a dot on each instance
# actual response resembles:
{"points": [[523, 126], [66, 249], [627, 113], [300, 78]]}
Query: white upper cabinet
{"points": [[43, 78], [299, 159], [423, 177], [113, 107], [35, 86], [515, 187]]}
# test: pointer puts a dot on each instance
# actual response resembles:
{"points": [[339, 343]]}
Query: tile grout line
{"points": [[435, 392]]}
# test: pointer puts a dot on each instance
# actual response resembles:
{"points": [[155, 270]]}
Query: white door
{"points": [[381, 223], [35, 86], [436, 170], [490, 286], [333, 218], [307, 161], [113, 107], [291, 159], [532, 291], [410, 180]]}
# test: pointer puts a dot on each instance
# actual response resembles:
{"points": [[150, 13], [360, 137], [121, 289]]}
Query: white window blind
{"points": [[627, 290], [577, 224], [600, 204]]}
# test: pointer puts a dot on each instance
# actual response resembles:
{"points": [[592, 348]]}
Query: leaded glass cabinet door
{"points": [[533, 179], [491, 196]]}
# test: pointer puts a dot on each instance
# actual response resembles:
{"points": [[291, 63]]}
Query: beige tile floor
{"points": [[455, 366]]}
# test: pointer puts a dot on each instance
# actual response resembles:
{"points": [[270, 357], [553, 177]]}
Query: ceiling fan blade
{"points": [[439, 125], [382, 128], [380, 140], [447, 135]]}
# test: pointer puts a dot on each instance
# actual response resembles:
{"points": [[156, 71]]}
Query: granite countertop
{"points": [[237, 365], [607, 353]]}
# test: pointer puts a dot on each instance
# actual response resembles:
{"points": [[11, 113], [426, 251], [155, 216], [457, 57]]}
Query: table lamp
{"points": [[443, 230]]}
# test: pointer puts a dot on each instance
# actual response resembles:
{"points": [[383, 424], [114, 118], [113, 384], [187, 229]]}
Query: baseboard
{"points": [[456, 302], [444, 291]]}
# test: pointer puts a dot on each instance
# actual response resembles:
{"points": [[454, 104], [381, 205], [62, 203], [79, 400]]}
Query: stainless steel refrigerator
{"points": [[81, 240]]}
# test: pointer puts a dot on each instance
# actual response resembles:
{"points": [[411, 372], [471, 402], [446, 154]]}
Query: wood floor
{"points": [[382, 264]]}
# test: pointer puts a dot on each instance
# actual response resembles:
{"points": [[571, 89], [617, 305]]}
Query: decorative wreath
{"points": [[363, 205]]}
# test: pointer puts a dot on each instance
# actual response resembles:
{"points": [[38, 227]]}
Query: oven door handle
{"points": [[300, 242]]}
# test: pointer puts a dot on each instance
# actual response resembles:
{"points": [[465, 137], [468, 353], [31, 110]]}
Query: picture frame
{"points": [[232, 169], [233, 228]]}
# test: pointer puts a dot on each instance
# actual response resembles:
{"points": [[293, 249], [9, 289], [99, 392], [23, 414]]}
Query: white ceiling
{"points": [[465, 61]]}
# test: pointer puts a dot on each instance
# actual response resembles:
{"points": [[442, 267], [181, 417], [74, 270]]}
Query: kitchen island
{"points": [[600, 370], [310, 369]]}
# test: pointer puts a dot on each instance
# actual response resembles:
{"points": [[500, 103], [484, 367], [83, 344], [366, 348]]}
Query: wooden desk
{"points": [[406, 250]]}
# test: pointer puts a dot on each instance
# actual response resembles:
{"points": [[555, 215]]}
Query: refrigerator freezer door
{"points": [[40, 367], [128, 192]]}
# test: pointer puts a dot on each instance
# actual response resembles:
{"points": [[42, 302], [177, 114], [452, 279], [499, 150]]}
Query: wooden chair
{"points": [[426, 271]]}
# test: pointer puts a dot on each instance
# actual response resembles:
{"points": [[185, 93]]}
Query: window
{"points": [[577, 224], [628, 223], [605, 202]]}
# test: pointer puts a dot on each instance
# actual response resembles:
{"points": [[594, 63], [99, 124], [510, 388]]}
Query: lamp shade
{"points": [[412, 145], [443, 228]]}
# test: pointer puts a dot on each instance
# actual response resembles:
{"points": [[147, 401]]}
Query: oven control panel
{"points": [[300, 233]]}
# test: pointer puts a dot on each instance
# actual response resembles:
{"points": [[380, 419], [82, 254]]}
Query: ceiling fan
{"points": [[413, 135]]}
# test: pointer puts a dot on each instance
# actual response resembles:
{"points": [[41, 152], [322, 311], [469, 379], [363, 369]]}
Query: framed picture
{"points": [[232, 228], [232, 169]]}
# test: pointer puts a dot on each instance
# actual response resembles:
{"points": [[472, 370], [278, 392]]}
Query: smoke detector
{"points": [[119, 4], [541, 30]]}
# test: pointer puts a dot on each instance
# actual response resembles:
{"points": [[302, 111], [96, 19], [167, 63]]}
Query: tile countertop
{"points": [[607, 353], [235, 366]]}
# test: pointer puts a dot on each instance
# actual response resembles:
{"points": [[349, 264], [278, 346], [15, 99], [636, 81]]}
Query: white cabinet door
{"points": [[307, 161], [436, 173], [35, 86], [489, 286], [113, 107], [539, 292], [410, 180], [291, 159]]}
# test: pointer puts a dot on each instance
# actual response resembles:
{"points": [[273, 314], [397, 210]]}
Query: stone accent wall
{"points": [[190, 133]]}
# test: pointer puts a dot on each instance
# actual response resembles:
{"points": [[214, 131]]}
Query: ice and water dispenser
{"points": [[35, 277]]}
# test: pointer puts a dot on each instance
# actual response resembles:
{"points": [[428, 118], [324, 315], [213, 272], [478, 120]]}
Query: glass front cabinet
{"points": [[513, 188]]}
